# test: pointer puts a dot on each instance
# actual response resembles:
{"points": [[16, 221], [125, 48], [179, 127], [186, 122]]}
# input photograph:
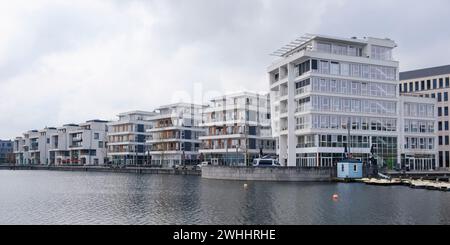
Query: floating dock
{"points": [[416, 184]]}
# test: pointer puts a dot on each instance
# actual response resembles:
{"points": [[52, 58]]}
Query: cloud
{"points": [[71, 61]]}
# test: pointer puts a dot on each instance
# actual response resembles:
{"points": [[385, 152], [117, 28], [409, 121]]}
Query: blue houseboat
{"points": [[350, 169]]}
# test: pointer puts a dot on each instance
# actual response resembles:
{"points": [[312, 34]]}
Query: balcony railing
{"points": [[75, 145], [303, 90]]}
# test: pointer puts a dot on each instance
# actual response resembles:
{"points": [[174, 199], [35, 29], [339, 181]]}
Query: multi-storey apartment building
{"points": [[127, 136], [6, 151], [433, 83], [322, 88], [417, 128], [174, 137], [238, 129]]}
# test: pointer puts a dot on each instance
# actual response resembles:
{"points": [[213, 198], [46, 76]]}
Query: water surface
{"points": [[51, 197]]}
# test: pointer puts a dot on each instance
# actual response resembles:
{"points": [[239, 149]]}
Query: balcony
{"points": [[221, 147], [165, 149], [75, 145], [305, 145], [77, 138], [303, 90]]}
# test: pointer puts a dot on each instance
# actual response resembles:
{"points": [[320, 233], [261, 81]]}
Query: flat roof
{"points": [[70, 125], [97, 120], [137, 112], [300, 42], [426, 72], [240, 94], [180, 104]]}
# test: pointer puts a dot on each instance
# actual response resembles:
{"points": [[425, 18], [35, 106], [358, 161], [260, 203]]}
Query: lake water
{"points": [[51, 197]]}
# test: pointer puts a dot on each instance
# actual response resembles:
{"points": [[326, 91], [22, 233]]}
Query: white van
{"points": [[265, 162]]}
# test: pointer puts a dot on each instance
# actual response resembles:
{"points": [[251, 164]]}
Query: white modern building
{"points": [[87, 144], [238, 129], [417, 138], [127, 138], [18, 150], [59, 145], [321, 87], [433, 83], [174, 137], [38, 145]]}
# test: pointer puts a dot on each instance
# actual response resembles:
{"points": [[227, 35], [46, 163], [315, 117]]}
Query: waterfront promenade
{"points": [[141, 170]]}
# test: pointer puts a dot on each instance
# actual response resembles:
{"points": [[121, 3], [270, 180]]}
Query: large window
{"points": [[324, 67], [303, 68], [324, 47], [340, 49], [334, 68], [353, 87], [381, 53], [357, 70], [356, 123]]}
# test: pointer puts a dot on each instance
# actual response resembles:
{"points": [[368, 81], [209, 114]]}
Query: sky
{"points": [[71, 61]]}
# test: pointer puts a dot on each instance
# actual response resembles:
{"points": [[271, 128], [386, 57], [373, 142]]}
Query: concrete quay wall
{"points": [[287, 174]]}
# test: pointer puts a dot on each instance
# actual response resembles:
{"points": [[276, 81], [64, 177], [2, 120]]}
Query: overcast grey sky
{"points": [[71, 61]]}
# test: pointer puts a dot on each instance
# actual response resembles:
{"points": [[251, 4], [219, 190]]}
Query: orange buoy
{"points": [[335, 196]]}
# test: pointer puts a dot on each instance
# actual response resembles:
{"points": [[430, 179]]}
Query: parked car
{"points": [[200, 165], [265, 162]]}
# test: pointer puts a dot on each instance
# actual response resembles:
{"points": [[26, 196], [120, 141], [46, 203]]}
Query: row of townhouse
{"points": [[83, 144], [234, 132], [324, 87]]}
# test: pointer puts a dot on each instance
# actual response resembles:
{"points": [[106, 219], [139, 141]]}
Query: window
{"points": [[447, 159], [445, 96], [439, 97], [303, 68], [314, 64], [339, 49], [447, 140], [416, 86], [439, 111], [440, 126], [345, 69], [446, 111], [324, 47], [422, 85], [356, 70], [428, 84], [411, 86], [100, 144], [334, 68], [440, 140], [446, 125], [381, 53], [324, 67], [434, 84], [441, 83], [447, 82], [96, 136]]}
